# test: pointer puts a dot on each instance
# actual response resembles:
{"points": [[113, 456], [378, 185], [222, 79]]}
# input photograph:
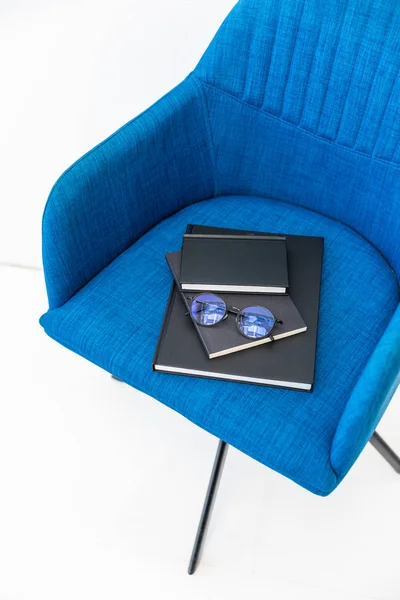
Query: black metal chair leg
{"points": [[384, 450], [208, 504]]}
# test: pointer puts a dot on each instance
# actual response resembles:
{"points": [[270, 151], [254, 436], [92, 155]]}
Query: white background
{"points": [[101, 487], [71, 73]]}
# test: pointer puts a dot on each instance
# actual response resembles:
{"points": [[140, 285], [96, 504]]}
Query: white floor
{"points": [[102, 487]]}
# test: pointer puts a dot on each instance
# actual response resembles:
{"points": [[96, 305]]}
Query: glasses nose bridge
{"points": [[234, 309]]}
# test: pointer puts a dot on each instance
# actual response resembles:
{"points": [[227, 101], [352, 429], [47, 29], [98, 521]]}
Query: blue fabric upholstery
{"points": [[108, 322], [289, 123], [301, 95], [147, 170]]}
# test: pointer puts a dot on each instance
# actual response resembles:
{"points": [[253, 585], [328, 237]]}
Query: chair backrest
{"points": [[304, 103]]}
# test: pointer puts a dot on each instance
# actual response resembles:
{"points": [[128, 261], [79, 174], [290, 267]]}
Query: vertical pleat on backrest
{"points": [[330, 68], [304, 102]]}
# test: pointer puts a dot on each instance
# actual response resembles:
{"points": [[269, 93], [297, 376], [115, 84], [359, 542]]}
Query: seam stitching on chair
{"points": [[276, 199], [102, 143], [252, 196], [204, 101], [289, 125], [336, 474], [346, 469], [302, 205], [122, 252], [86, 155]]}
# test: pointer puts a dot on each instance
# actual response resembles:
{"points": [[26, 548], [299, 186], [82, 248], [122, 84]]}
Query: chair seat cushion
{"points": [[109, 322]]}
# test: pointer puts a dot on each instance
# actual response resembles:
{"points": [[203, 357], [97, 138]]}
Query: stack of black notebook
{"points": [[244, 268]]}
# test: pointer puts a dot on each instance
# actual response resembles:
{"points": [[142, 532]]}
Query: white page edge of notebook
{"points": [[287, 384], [192, 287]]}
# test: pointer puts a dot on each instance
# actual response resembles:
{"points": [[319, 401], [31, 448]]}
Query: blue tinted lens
{"points": [[208, 309], [255, 322]]}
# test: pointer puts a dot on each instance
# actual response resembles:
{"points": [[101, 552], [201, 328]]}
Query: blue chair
{"points": [[289, 123]]}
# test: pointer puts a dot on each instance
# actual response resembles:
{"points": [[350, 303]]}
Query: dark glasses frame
{"points": [[236, 311]]}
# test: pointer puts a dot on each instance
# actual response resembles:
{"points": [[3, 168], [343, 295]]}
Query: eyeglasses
{"points": [[254, 322]]}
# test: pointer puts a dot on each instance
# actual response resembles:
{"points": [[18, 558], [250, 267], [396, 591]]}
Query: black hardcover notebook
{"points": [[233, 262], [289, 363], [225, 337]]}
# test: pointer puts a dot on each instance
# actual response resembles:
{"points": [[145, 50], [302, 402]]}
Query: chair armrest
{"points": [[150, 168], [369, 399]]}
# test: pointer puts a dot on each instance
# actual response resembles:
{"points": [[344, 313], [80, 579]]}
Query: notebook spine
{"points": [[164, 324]]}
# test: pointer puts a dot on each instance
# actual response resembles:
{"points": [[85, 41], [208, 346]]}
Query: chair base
{"points": [[385, 451], [376, 440], [208, 504], [378, 443]]}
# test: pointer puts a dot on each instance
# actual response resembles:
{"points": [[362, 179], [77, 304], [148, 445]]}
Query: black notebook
{"points": [[289, 363], [238, 262], [225, 337]]}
